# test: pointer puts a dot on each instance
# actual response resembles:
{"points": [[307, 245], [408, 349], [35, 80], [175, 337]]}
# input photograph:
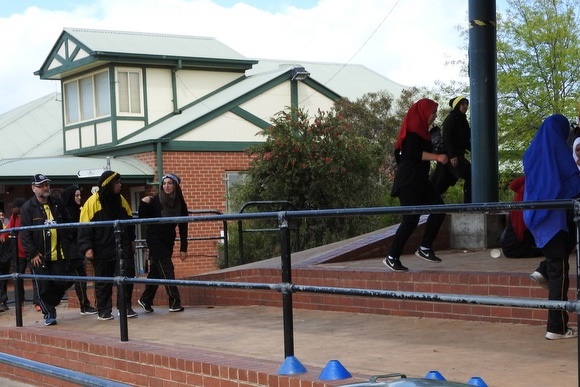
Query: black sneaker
{"points": [[131, 313], [394, 264], [146, 307], [176, 309], [427, 255], [105, 316], [86, 310], [51, 320]]}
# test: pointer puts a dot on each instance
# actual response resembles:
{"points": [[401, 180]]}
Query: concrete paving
{"points": [[502, 354]]}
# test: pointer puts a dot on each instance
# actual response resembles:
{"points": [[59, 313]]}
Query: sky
{"points": [[407, 41]]}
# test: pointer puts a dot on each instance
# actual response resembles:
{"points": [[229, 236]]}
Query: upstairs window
{"points": [[129, 92], [87, 98]]}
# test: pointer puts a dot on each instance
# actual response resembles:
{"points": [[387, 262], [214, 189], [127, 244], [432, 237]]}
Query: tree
{"points": [[337, 159], [314, 163], [538, 69]]}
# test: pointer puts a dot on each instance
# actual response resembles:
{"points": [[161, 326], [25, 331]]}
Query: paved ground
{"points": [[502, 354]]}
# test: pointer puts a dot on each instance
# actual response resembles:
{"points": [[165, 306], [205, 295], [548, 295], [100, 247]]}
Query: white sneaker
{"points": [[570, 334], [539, 279]]}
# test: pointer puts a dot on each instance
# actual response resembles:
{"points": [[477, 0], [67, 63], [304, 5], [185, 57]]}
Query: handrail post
{"points": [[241, 242], [121, 304], [287, 283], [226, 247], [18, 282]]}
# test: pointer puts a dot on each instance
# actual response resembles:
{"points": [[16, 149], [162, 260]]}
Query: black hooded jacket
{"points": [[456, 134]]}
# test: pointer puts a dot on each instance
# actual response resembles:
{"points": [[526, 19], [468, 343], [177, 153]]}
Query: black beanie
{"points": [[456, 101], [105, 176]]}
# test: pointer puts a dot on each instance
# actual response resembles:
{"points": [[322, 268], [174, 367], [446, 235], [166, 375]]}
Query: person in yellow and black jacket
{"points": [[97, 244], [44, 247]]}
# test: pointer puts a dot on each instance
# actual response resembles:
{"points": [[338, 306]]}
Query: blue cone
{"points": [[291, 366], [334, 371], [477, 381], [434, 375]]}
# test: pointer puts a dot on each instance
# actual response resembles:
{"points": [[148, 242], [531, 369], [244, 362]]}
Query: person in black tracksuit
{"points": [[98, 243], [457, 142], [45, 248], [71, 197], [161, 238]]}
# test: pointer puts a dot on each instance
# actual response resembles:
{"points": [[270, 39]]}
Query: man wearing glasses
{"points": [[43, 247]]}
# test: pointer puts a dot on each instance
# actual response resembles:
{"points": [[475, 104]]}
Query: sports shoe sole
{"points": [[180, 309], [570, 334], [539, 279], [49, 322], [418, 254], [105, 318], [404, 269], [129, 315], [146, 308]]}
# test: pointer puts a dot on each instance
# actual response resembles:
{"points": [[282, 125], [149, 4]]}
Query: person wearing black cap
{"points": [[161, 238], [71, 196], [98, 243], [457, 141], [45, 248]]}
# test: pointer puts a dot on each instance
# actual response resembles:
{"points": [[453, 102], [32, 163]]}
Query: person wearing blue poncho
{"points": [[551, 174]]}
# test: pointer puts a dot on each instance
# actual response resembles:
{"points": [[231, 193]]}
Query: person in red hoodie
{"points": [[517, 240], [22, 263], [5, 263]]}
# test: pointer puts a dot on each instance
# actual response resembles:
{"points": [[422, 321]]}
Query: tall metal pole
{"points": [[483, 100], [18, 282], [122, 305], [287, 281]]}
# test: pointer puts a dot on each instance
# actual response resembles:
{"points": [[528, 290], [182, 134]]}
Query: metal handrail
{"points": [[78, 378], [263, 203], [286, 288], [142, 243]]}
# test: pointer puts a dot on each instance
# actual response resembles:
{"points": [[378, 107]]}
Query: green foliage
{"points": [[538, 69], [318, 164], [313, 163], [337, 159], [538, 72]]}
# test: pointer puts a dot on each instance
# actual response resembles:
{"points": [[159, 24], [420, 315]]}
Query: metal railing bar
{"points": [[79, 378]]}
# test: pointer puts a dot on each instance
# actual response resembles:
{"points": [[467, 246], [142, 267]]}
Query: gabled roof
{"points": [[216, 104], [351, 81], [66, 168], [333, 79], [80, 49], [33, 130], [33, 143]]}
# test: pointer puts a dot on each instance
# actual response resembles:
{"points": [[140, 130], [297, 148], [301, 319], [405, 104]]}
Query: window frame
{"points": [[130, 97], [78, 101], [231, 178]]}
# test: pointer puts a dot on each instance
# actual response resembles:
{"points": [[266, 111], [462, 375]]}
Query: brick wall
{"points": [[204, 188], [475, 284], [140, 363]]}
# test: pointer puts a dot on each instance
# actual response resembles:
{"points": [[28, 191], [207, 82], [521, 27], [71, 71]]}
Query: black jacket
{"points": [[37, 241], [161, 236], [102, 239], [456, 134], [412, 171]]}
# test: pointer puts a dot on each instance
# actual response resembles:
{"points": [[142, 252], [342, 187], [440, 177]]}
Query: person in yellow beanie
{"points": [[457, 142]]}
